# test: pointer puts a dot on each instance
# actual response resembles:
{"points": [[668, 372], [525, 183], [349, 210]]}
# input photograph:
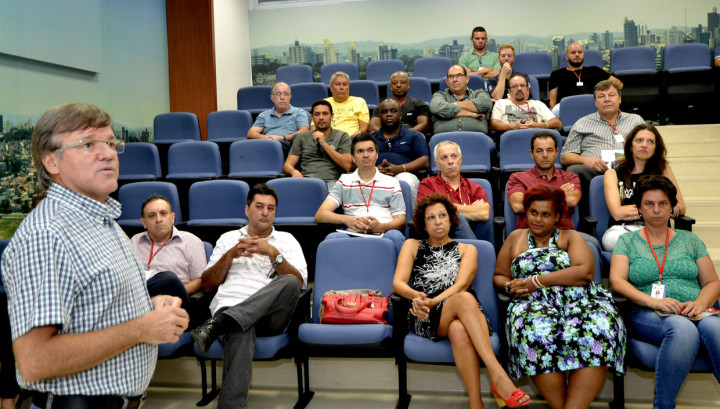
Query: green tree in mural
{"points": [[14, 165], [5, 206]]}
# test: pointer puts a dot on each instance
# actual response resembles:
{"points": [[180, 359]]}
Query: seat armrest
{"points": [[684, 223], [588, 225], [302, 310], [499, 226], [400, 307]]}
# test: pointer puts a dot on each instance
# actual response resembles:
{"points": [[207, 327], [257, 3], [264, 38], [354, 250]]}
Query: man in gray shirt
{"points": [[591, 134], [323, 153], [458, 108]]}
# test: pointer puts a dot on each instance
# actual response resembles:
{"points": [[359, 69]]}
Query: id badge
{"points": [[619, 138], [579, 84], [658, 291]]}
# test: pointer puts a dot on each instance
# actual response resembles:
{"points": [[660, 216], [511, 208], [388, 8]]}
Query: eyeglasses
{"points": [[456, 76], [521, 86], [93, 146], [281, 94]]}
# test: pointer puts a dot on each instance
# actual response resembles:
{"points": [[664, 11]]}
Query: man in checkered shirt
{"points": [[84, 330]]}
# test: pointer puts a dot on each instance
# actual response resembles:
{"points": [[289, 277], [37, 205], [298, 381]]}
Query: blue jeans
{"points": [[393, 235], [679, 340]]}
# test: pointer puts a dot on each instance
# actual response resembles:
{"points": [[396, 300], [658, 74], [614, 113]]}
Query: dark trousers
{"points": [[168, 283], [8, 384], [265, 313]]}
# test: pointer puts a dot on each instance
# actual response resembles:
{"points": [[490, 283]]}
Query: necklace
{"points": [[539, 242]]}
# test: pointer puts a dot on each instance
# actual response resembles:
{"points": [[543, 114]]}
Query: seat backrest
{"points": [[475, 147], [592, 58], [217, 199], [598, 207], [140, 160], [132, 195], [298, 197], [380, 71], [194, 159], [408, 199], [632, 60], [575, 107], [334, 272], [534, 63], [3, 244], [687, 57], [255, 98], [514, 151], [208, 250], [367, 90], [306, 93], [256, 157], [534, 88], [176, 126], [228, 126], [432, 68], [420, 88], [483, 282], [486, 230], [349, 68], [294, 74]]}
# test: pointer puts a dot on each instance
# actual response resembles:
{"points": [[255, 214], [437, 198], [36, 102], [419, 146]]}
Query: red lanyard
{"points": [[613, 126], [403, 103], [576, 74], [152, 246], [529, 112], [367, 203], [661, 267], [449, 189]]}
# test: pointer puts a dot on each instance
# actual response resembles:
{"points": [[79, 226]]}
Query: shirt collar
{"points": [[534, 171], [175, 234], [356, 176], [244, 233], [76, 201]]}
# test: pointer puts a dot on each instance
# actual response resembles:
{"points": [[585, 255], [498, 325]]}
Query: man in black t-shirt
{"points": [[575, 79], [415, 112]]}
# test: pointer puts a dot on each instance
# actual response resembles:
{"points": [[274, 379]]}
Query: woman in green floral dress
{"points": [[562, 328]]}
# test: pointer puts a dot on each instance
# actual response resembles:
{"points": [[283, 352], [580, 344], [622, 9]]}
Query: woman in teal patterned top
{"points": [[669, 271]]}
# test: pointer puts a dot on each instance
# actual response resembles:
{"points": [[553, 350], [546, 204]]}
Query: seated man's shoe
{"points": [[206, 334]]}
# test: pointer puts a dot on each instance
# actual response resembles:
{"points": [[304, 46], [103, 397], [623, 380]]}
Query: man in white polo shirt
{"points": [[372, 201]]}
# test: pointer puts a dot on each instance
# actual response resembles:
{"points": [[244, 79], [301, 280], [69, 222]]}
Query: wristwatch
{"points": [[278, 260]]}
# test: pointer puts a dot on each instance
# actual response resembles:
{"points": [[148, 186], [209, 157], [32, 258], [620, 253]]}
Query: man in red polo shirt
{"points": [[544, 152], [469, 198]]}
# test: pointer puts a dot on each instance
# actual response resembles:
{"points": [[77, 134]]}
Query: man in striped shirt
{"points": [[85, 331], [372, 202], [603, 130]]}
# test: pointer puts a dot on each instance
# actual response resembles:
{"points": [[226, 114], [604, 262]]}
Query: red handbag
{"points": [[353, 307]]}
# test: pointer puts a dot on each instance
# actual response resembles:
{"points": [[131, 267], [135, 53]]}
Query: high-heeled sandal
{"points": [[512, 401]]}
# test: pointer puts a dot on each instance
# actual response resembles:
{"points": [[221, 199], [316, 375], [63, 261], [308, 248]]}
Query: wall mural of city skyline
{"points": [[369, 30]]}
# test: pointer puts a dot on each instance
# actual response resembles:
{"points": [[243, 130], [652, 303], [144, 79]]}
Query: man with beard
{"points": [[543, 150], [519, 112], [459, 108], [496, 85], [415, 114], [575, 79], [324, 153], [403, 152]]}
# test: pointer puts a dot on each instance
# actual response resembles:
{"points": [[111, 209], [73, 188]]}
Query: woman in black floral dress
{"points": [[562, 327], [436, 273]]}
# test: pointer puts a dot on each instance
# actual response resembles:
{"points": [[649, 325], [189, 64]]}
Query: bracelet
{"points": [[536, 281], [507, 290], [532, 280], [404, 170]]}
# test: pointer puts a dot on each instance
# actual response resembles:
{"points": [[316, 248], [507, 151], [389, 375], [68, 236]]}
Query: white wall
{"points": [[232, 50]]}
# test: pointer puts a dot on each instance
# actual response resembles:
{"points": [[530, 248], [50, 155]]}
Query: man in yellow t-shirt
{"points": [[351, 114]]}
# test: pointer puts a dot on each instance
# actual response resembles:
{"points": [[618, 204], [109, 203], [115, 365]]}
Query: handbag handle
{"points": [[345, 309]]}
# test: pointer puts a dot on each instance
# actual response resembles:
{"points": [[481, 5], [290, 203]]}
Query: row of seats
{"points": [[629, 60], [306, 337], [264, 158]]}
